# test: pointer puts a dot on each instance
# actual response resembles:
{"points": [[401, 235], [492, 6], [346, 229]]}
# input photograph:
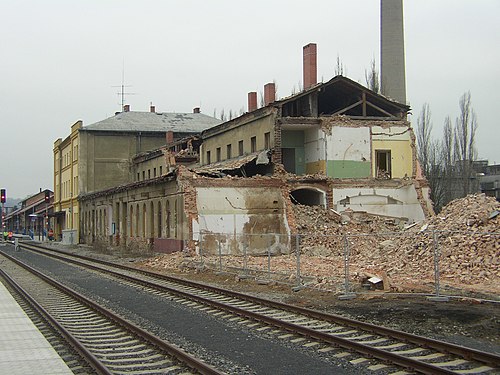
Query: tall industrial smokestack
{"points": [[392, 50]]}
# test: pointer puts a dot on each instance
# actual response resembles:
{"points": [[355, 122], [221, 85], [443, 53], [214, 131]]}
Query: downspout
{"points": [[326, 155]]}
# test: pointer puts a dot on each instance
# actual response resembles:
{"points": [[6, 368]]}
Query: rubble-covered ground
{"points": [[402, 256], [461, 245]]}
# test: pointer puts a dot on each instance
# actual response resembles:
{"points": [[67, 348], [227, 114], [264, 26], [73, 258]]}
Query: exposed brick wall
{"points": [[276, 156]]}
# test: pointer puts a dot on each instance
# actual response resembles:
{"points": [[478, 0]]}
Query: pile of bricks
{"points": [[463, 240]]}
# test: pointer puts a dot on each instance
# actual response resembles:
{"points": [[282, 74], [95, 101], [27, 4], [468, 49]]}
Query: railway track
{"points": [[377, 346], [107, 343]]}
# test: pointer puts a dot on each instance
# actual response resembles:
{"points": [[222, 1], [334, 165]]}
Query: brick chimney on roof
{"points": [[126, 108], [252, 101], [269, 93], [169, 137], [310, 69], [196, 110]]}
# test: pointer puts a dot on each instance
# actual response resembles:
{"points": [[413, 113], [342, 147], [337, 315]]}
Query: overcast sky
{"points": [[60, 61]]}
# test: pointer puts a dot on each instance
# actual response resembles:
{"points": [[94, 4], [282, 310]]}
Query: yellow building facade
{"points": [[66, 156]]}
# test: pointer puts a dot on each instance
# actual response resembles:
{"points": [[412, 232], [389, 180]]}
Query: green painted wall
{"points": [[348, 169]]}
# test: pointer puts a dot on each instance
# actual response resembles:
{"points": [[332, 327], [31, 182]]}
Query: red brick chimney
{"points": [[252, 101], [126, 108], [196, 110], [310, 68], [169, 137], [269, 93], [152, 109]]}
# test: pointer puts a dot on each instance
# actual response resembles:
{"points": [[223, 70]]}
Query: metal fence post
{"points": [[245, 270], [437, 254], [269, 257], [220, 257], [298, 285], [347, 293], [201, 249]]}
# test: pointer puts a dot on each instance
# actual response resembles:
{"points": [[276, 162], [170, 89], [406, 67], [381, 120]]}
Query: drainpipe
{"points": [[326, 155]]}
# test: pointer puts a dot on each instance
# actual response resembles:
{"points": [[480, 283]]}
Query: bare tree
{"points": [[339, 68], [464, 142], [222, 115], [372, 77], [430, 157], [424, 141]]}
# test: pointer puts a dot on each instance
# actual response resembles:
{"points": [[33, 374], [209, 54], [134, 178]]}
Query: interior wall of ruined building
{"points": [[240, 215]]}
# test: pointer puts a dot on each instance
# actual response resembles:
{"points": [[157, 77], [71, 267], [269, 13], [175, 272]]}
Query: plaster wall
{"points": [[240, 219], [398, 140], [105, 158], [397, 202], [348, 152]]}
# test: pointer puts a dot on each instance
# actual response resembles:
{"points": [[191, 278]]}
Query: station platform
{"points": [[23, 349]]}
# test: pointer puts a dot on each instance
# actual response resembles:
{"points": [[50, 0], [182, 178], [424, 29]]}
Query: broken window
{"points": [[267, 140], [217, 153], [208, 157], [228, 151], [383, 164], [240, 148], [253, 144]]}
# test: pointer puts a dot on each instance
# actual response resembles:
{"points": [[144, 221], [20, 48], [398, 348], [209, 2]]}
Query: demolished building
{"points": [[335, 144]]}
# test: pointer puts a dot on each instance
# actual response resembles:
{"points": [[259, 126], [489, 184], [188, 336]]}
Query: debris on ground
{"points": [[463, 242]]}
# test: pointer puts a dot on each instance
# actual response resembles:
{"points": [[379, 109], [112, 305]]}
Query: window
{"points": [[240, 148], [138, 176], [228, 148], [267, 140], [218, 153], [253, 144], [149, 174], [143, 175], [383, 164], [208, 157], [161, 170], [154, 172]]}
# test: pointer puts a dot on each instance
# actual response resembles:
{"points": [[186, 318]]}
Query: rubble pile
{"points": [[322, 230], [466, 238], [463, 240], [462, 236]]}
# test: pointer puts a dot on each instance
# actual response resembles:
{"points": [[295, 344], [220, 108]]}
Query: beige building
{"points": [[336, 144], [99, 156]]}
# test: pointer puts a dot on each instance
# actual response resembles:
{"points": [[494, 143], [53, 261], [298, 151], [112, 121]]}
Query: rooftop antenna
{"points": [[122, 92]]}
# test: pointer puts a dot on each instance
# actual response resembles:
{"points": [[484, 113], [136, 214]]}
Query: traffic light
{"points": [[3, 195], [47, 196]]}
